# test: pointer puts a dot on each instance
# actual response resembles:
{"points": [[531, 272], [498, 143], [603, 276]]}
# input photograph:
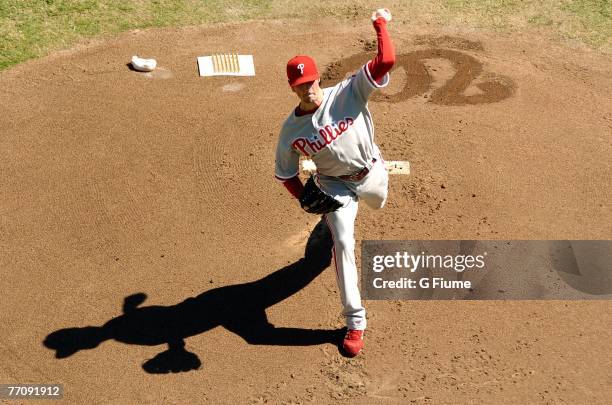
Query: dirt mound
{"points": [[447, 41], [118, 185], [466, 71]]}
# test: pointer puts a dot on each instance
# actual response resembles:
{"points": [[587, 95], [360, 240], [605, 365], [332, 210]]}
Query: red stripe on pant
{"points": [[334, 248]]}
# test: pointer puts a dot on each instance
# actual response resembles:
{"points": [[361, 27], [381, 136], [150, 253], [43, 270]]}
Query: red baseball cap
{"points": [[301, 69]]}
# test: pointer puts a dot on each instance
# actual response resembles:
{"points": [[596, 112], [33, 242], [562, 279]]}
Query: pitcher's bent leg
{"points": [[342, 226], [373, 189]]}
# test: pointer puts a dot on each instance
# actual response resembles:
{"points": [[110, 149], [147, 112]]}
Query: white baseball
{"points": [[382, 12]]}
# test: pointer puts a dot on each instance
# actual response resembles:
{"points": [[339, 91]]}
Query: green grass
{"points": [[594, 18], [589, 21], [33, 28]]}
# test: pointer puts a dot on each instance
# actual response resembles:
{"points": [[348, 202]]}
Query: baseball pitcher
{"points": [[333, 127]]}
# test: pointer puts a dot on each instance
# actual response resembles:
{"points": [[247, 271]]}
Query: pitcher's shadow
{"points": [[239, 308]]}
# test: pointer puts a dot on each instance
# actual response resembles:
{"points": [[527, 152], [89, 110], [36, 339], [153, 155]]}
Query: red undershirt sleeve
{"points": [[385, 58], [294, 186]]}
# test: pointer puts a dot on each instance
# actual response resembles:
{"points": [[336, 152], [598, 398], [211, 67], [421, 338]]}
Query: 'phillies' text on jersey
{"points": [[329, 133]]}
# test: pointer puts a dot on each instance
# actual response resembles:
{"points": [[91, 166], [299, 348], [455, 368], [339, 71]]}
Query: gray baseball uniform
{"points": [[339, 138]]}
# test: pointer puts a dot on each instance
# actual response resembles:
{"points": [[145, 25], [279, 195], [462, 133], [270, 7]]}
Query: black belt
{"points": [[357, 176]]}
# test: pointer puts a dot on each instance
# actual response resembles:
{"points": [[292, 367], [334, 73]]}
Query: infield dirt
{"points": [[122, 188]]}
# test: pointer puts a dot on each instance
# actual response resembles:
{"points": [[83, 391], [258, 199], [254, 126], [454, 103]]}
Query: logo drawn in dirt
{"points": [[468, 71]]}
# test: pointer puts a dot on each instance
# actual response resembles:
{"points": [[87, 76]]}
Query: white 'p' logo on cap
{"points": [[301, 68]]}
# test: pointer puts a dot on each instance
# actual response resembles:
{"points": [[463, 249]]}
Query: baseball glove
{"points": [[316, 201]]}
